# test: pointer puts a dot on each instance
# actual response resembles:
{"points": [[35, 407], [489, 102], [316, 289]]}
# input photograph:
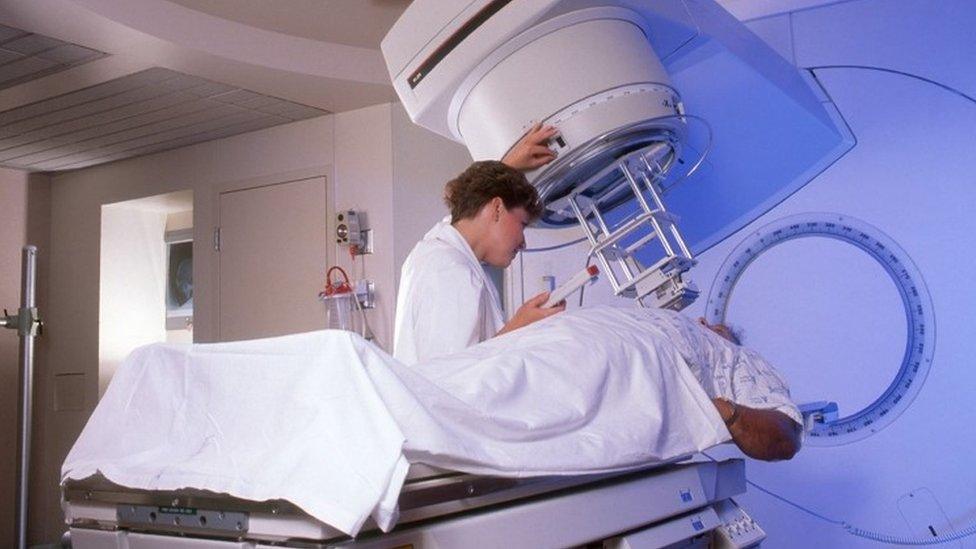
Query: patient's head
{"points": [[722, 330]]}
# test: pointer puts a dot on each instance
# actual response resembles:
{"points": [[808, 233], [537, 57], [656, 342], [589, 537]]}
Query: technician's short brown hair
{"points": [[466, 194]]}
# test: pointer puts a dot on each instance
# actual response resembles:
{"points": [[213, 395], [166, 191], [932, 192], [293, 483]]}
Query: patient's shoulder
{"points": [[754, 359]]}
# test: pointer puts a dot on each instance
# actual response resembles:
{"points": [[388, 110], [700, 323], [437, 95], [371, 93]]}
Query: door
{"points": [[272, 258]]}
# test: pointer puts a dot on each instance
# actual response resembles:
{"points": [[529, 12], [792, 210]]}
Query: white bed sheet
{"points": [[329, 422]]}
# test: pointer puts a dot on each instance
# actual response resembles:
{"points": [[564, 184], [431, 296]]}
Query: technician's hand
{"points": [[532, 311], [532, 151]]}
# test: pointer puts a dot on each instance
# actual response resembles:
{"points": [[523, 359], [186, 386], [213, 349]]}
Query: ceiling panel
{"points": [[31, 44], [16, 70], [8, 56], [26, 56], [150, 111], [168, 145], [10, 33]]}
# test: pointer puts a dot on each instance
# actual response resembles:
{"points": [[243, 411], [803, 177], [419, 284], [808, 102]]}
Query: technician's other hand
{"points": [[532, 311], [532, 151]]}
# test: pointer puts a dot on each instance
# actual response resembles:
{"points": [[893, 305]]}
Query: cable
{"points": [[898, 540], [788, 502], [796, 505], [522, 278]]}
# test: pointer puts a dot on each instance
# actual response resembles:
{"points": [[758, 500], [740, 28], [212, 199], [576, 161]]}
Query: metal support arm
{"points": [[660, 283]]}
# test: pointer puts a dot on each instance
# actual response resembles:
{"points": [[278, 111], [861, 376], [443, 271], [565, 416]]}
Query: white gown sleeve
{"points": [[756, 384]]}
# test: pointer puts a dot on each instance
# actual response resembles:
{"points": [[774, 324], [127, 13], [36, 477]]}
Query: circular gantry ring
{"points": [[920, 343]]}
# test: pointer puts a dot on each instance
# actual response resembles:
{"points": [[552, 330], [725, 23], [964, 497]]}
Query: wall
{"points": [[178, 221], [131, 308], [364, 182], [395, 171], [423, 162]]}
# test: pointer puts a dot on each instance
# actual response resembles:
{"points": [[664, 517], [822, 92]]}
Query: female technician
{"points": [[446, 301]]}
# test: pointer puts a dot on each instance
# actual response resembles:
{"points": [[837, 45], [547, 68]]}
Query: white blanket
{"points": [[329, 421]]}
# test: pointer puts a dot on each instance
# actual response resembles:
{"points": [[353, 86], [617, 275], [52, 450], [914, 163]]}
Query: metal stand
{"points": [[640, 173], [28, 326]]}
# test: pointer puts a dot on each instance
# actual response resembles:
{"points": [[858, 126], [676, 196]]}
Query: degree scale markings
{"points": [[920, 343]]}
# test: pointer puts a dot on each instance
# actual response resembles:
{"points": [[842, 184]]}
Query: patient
{"points": [[594, 390], [748, 393], [514, 377]]}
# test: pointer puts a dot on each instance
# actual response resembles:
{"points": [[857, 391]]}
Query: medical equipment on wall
{"points": [[351, 232], [576, 282], [28, 324], [345, 306], [615, 77], [339, 301]]}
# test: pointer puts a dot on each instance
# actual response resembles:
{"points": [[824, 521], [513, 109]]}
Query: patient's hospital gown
{"points": [[724, 369]]}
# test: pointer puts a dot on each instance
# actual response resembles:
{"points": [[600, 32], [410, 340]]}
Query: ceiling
{"points": [[25, 56], [360, 23], [142, 113], [319, 56], [74, 90]]}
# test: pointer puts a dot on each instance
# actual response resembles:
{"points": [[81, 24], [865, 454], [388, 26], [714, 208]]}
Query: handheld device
{"points": [[576, 282]]}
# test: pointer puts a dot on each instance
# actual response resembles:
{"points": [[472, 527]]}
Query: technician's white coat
{"points": [[446, 302]]}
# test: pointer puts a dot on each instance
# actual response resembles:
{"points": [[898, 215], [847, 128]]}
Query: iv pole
{"points": [[28, 326]]}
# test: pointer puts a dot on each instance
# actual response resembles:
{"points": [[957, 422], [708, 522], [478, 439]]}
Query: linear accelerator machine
{"points": [[671, 101]]}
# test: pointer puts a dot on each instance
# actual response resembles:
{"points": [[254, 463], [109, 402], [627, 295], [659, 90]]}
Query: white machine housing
{"points": [[613, 76], [528, 61]]}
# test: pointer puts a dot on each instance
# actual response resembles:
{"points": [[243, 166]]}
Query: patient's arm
{"points": [[761, 434]]}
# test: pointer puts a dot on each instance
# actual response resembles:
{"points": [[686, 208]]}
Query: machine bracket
{"points": [[27, 322], [661, 284]]}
